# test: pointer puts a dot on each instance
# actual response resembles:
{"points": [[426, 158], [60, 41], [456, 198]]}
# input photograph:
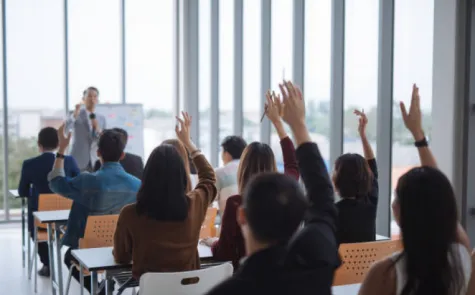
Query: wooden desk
{"points": [[57, 218], [99, 259]]}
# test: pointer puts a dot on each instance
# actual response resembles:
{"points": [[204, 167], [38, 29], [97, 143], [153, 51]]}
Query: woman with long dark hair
{"points": [[436, 258], [256, 158], [160, 232], [186, 159]]}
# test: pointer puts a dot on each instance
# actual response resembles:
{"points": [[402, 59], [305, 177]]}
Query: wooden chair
{"points": [[99, 232], [207, 228], [357, 259], [46, 202]]}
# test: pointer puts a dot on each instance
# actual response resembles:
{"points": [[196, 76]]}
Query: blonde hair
{"points": [[184, 155]]}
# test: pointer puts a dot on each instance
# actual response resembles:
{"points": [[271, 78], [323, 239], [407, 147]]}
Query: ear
{"points": [[98, 153], [241, 216], [122, 156]]}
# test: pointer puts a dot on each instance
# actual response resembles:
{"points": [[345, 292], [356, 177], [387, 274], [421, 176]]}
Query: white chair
{"points": [[195, 282]]}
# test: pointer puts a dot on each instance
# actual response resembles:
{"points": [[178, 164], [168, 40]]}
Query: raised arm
{"points": [[71, 119], [274, 111], [312, 167]]}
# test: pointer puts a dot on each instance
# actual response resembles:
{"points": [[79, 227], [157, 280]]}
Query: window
{"points": [[35, 62], [150, 68], [252, 95], [361, 70], [413, 24], [205, 78], [317, 66], [281, 58], [94, 48]]}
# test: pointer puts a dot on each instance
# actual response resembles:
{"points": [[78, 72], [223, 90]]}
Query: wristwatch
{"points": [[421, 143], [59, 156]]}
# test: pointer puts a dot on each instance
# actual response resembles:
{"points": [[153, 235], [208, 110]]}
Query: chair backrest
{"points": [[357, 258], [52, 202], [207, 228], [99, 231], [195, 282]]}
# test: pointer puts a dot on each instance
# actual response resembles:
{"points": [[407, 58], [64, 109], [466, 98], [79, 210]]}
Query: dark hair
{"points": [[234, 145], [111, 146], [90, 88], [275, 205], [428, 221], [162, 195], [352, 176], [123, 133], [184, 156], [48, 138], [256, 158]]}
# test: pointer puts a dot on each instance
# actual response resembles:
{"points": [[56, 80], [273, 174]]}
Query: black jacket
{"points": [[307, 263], [132, 164]]}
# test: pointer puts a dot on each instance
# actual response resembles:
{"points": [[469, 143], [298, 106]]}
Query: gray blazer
{"points": [[84, 146]]}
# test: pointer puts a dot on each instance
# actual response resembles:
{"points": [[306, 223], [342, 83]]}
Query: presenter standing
{"points": [[86, 127]]}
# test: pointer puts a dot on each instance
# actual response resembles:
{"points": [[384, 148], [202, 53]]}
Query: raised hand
{"points": [[182, 129], [363, 121], [294, 111], [77, 109], [63, 139], [413, 118], [274, 107]]}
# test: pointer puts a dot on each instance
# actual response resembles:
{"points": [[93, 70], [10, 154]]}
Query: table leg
{"points": [[57, 239], [23, 239], [108, 284], [94, 286], [81, 278], [51, 257]]}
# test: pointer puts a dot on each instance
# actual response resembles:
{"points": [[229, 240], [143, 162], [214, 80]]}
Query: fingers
{"points": [[358, 113], [291, 89], [403, 110], [268, 98], [285, 95], [181, 122]]}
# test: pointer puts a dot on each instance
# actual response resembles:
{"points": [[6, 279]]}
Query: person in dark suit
{"points": [[131, 163], [281, 258], [33, 182]]}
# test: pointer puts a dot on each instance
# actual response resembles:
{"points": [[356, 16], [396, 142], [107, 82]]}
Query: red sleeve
{"points": [[290, 159], [225, 249]]}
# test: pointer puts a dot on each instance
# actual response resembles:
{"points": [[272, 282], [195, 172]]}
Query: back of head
{"points": [[352, 176], [184, 156], [48, 138], [234, 146], [274, 205], [428, 221], [111, 146], [123, 133], [162, 195], [256, 158]]}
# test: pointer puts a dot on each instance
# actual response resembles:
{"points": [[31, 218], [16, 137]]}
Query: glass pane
{"points": [[149, 67], [281, 59], [252, 70], [361, 70], [226, 69], [94, 49], [35, 78], [205, 78], [318, 72], [414, 24]]}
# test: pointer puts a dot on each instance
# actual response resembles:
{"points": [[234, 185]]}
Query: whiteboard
{"points": [[129, 117]]}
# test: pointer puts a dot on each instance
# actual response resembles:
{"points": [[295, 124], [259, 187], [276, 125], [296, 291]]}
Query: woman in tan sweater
{"points": [[160, 232]]}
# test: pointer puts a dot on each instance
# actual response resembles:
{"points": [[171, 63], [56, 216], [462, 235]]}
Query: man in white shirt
{"points": [[226, 176], [86, 127]]}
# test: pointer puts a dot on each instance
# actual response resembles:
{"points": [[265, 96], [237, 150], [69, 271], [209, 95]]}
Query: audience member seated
{"points": [[104, 192], [226, 176], [160, 232], [356, 180], [256, 158], [185, 158], [281, 261], [436, 255], [33, 182], [132, 164]]}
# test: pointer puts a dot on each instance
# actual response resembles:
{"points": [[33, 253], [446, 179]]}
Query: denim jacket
{"points": [[100, 193]]}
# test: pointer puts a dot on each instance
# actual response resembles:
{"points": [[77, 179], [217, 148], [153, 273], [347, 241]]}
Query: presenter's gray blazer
{"points": [[84, 146]]}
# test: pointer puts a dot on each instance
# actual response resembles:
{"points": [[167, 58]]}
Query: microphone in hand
{"points": [[92, 116]]}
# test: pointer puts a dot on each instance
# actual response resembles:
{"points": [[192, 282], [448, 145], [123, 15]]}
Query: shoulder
{"points": [[231, 286], [30, 161], [133, 156], [128, 210], [235, 200], [381, 278]]}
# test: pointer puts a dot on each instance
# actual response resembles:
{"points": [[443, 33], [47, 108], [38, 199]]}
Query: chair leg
{"points": [[36, 260], [28, 247], [69, 279], [32, 258]]}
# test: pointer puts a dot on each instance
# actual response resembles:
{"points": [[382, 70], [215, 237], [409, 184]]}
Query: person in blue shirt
{"points": [[33, 182], [100, 193]]}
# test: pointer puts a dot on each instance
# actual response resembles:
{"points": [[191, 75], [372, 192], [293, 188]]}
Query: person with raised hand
{"points": [[356, 181], [281, 258], [160, 232], [256, 158], [436, 251]]}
